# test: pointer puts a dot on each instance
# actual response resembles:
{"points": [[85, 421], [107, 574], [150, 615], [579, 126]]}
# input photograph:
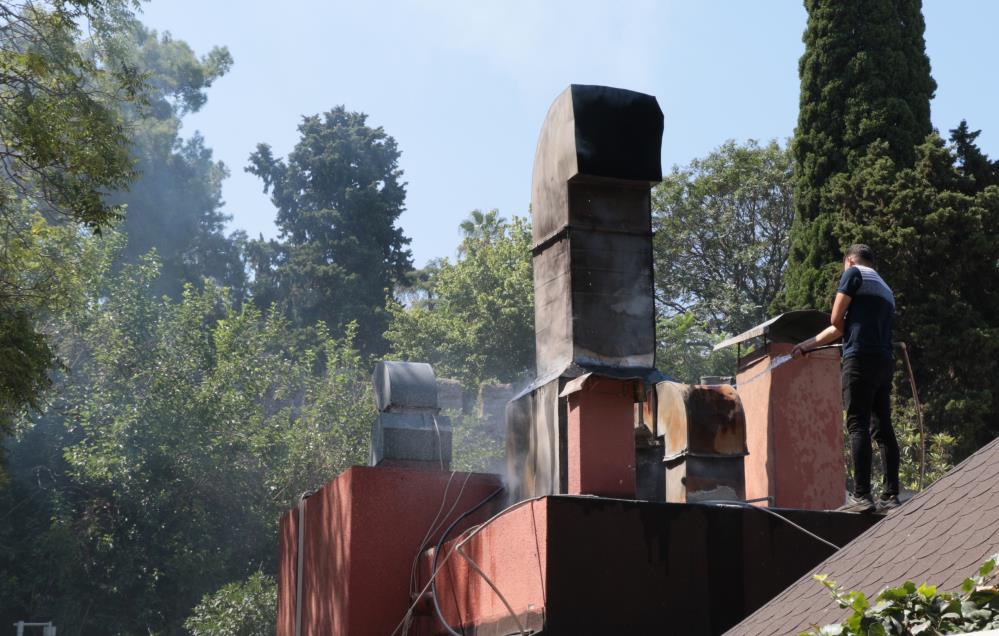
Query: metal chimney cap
{"points": [[597, 134], [792, 327], [402, 386]]}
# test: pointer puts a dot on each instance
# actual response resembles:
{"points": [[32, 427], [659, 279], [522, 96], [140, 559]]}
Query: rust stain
{"points": [[702, 419], [671, 416]]}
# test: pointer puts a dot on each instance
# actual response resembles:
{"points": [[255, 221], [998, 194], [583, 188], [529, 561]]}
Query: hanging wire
{"points": [[440, 543], [489, 581], [436, 567], [743, 504]]}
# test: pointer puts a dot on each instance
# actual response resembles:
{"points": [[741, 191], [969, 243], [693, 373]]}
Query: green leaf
{"points": [[987, 567], [920, 627], [858, 601], [894, 593]]}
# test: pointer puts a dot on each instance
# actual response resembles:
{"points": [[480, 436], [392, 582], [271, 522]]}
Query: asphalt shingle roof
{"points": [[940, 536]]}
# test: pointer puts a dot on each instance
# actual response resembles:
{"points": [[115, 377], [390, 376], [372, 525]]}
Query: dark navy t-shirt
{"points": [[868, 320]]}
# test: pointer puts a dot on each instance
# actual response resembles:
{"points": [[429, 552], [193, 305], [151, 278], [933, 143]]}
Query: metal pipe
{"points": [[300, 549], [919, 416]]}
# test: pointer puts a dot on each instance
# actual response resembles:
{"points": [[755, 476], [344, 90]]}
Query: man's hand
{"points": [[831, 333]]}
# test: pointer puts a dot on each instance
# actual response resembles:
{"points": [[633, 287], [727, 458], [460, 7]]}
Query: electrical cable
{"points": [[440, 543], [489, 581], [426, 587], [440, 444], [435, 568], [433, 524], [469, 535], [743, 504], [434, 527], [431, 530]]}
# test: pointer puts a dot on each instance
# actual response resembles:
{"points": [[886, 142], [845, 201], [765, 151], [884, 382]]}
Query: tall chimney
{"points": [[597, 157]]}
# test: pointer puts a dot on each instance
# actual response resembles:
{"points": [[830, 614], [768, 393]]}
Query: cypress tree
{"points": [[339, 195], [865, 77], [973, 164]]}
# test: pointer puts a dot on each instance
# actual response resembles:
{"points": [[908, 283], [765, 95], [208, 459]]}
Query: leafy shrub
{"points": [[243, 608], [908, 609]]}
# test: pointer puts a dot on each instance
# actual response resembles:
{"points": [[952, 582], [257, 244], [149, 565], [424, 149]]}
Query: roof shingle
{"points": [[940, 536]]}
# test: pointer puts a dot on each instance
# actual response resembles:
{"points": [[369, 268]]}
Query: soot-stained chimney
{"points": [[597, 157]]}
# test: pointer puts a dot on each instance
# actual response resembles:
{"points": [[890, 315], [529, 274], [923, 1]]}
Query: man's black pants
{"points": [[867, 400]]}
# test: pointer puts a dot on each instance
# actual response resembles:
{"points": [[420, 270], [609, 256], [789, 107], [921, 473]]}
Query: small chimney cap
{"points": [[402, 386], [792, 327]]}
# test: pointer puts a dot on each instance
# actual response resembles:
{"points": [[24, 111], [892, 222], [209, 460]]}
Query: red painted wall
{"points": [[794, 430], [601, 439], [362, 532], [513, 551]]}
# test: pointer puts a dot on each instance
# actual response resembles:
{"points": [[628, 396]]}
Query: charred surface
{"points": [[597, 156]]}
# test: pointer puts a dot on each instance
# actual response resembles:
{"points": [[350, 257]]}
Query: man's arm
{"points": [[831, 333]]}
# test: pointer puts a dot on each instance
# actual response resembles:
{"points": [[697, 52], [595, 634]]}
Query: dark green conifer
{"points": [[339, 195], [865, 77], [973, 164]]}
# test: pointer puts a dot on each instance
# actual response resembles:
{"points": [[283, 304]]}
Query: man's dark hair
{"points": [[861, 252]]}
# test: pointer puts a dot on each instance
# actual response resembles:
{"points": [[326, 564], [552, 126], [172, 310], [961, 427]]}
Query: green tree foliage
{"points": [[684, 349], [939, 449], [865, 77], [475, 449], [179, 432], [244, 608], [907, 609], [50, 265], [338, 195], [62, 147], [721, 249], [474, 318], [979, 171], [63, 140], [938, 247], [174, 206]]}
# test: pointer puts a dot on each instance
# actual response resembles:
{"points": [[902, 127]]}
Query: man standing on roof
{"points": [[862, 314]]}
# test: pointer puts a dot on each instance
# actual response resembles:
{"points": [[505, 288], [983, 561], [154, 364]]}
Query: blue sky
{"points": [[464, 85]]}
